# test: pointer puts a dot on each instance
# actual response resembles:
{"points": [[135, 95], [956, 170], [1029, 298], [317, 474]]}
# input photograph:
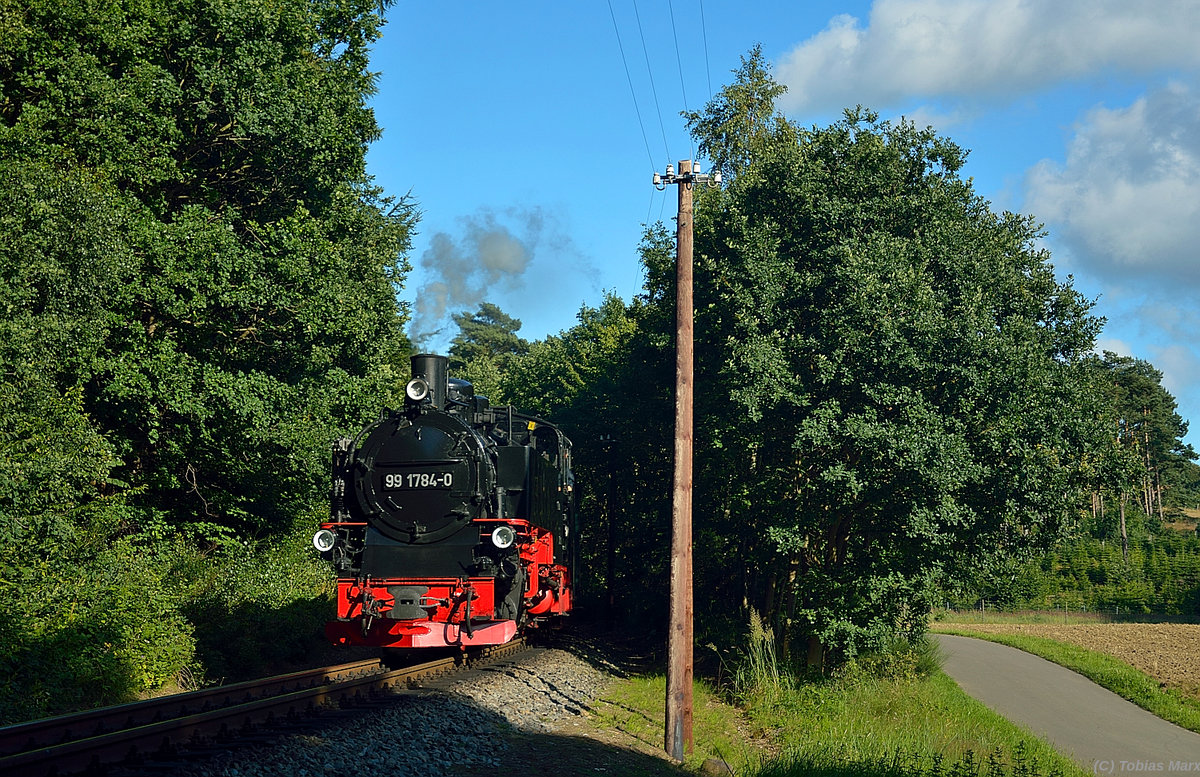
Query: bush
{"points": [[82, 633], [262, 608], [900, 659], [151, 613]]}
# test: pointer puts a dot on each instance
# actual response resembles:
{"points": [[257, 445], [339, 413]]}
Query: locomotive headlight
{"points": [[323, 540], [503, 537], [417, 389]]}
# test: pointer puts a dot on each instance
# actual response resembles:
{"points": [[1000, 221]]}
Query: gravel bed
{"points": [[460, 724]]}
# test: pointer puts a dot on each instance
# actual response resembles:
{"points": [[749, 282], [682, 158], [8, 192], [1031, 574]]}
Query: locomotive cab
{"points": [[450, 520]]}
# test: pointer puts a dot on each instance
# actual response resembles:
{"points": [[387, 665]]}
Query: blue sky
{"points": [[515, 129]]}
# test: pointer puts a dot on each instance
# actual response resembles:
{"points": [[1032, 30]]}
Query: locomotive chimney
{"points": [[433, 370]]}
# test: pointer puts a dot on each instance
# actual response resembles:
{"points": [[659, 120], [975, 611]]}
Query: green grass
{"points": [[879, 718], [906, 725], [636, 706], [1104, 670]]}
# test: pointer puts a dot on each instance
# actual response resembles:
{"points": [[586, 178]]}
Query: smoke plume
{"points": [[461, 273]]}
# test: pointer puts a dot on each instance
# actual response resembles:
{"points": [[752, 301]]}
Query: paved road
{"points": [[1101, 730]]}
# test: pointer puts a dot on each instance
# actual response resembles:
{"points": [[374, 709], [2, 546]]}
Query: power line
{"points": [[707, 66], [650, 71], [679, 62], [632, 93]]}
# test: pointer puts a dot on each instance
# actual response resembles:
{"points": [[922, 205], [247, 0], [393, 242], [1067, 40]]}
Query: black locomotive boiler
{"points": [[451, 521]]}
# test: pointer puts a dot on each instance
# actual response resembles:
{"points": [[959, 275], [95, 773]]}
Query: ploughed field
{"points": [[1168, 652]]}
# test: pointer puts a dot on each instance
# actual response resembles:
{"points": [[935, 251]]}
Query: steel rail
{"points": [[77, 725], [112, 735]]}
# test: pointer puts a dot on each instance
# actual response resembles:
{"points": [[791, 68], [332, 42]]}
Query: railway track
{"points": [[155, 729]]}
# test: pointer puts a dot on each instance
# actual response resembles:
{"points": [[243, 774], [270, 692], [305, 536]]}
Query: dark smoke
{"points": [[488, 258]]}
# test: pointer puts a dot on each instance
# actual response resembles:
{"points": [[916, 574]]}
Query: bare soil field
{"points": [[1168, 652]]}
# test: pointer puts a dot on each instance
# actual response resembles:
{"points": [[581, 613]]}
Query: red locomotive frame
{"points": [[460, 612]]}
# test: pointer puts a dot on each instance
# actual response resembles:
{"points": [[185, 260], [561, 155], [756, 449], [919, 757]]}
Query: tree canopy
{"points": [[484, 348], [198, 287], [191, 244], [907, 369], [1146, 435], [892, 386]]}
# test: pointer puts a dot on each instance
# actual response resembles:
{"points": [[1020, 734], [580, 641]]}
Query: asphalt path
{"points": [[1102, 731]]}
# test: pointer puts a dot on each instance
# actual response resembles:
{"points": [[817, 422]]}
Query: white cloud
{"points": [[1127, 201], [927, 116], [1180, 366], [969, 48], [1119, 347]]}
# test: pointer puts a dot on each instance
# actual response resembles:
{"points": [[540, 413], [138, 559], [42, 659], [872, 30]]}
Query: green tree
{"points": [[197, 293], [905, 370], [190, 239], [1145, 423], [606, 382], [741, 121], [484, 348]]}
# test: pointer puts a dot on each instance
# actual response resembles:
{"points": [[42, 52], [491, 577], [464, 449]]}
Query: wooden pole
{"points": [[679, 639]]}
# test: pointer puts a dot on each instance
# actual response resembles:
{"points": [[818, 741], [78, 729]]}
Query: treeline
{"points": [[1158, 574], [895, 396], [197, 293], [1135, 550]]}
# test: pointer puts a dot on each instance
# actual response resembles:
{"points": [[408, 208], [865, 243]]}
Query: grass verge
{"points": [[854, 724], [906, 726], [636, 707], [1104, 670]]}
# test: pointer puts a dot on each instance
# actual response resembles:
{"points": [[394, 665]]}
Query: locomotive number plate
{"points": [[406, 480]]}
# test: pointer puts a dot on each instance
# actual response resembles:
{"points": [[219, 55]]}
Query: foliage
{"points": [[484, 349], [110, 623], [1123, 557], [197, 293], [1161, 575], [1147, 454], [191, 241], [893, 389], [103, 626], [604, 381], [260, 607], [740, 124], [896, 378]]}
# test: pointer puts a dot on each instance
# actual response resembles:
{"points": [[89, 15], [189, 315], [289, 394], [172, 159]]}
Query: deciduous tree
{"points": [[191, 244], [903, 371]]}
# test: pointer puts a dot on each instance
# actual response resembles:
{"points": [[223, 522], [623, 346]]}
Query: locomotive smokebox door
{"points": [[416, 480]]}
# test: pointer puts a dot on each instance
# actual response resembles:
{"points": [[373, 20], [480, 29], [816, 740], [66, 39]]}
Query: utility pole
{"points": [[678, 727]]}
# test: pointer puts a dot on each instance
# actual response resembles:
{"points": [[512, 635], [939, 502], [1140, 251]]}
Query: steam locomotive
{"points": [[452, 521]]}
